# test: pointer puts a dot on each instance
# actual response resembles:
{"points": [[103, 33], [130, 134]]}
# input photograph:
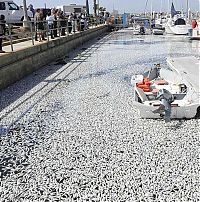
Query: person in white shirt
{"points": [[50, 19], [83, 19], [69, 21]]}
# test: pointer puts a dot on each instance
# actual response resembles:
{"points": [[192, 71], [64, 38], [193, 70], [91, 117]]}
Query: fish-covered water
{"points": [[69, 132]]}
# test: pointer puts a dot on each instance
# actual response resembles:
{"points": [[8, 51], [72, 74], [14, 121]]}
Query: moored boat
{"points": [[177, 27], [165, 92], [158, 30], [176, 24]]}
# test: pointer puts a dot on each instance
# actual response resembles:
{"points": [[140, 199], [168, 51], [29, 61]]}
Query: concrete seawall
{"points": [[16, 65]]}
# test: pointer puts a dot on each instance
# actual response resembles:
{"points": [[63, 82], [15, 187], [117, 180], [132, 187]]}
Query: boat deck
{"points": [[189, 67]]}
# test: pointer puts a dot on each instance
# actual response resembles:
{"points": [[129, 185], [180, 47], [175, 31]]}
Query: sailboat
{"points": [[176, 24]]}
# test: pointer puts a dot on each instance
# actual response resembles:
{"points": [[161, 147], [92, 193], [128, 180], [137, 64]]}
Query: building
{"points": [[73, 8]]}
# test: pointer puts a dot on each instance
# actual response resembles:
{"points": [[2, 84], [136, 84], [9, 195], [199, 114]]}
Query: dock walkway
{"points": [[26, 57], [28, 43]]}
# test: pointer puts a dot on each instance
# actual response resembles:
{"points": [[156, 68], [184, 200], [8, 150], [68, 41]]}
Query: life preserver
{"points": [[145, 85]]}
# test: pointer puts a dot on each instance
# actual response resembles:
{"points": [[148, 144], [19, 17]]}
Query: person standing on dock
{"points": [[194, 24], [39, 25], [55, 22], [2, 31], [50, 19], [69, 21], [82, 22], [30, 8], [36, 16], [74, 22], [39, 19], [62, 22]]}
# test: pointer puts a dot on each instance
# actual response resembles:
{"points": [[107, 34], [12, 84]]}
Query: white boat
{"points": [[136, 29], [176, 24], [177, 27], [141, 25], [161, 21], [158, 30], [179, 80]]}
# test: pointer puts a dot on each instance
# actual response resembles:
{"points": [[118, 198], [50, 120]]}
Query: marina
{"points": [[70, 131]]}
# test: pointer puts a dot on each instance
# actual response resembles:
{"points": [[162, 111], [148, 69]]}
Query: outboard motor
{"points": [[183, 88], [142, 30], [166, 99]]}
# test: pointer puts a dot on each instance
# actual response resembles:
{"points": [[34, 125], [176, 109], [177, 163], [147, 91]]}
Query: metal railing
{"points": [[58, 29]]}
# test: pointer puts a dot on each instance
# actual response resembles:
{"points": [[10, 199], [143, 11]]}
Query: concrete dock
{"points": [[27, 58]]}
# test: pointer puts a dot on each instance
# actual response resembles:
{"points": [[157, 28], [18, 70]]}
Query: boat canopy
{"points": [[141, 20], [180, 21]]}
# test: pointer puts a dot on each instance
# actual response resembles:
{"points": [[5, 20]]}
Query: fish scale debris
{"points": [[84, 140]]}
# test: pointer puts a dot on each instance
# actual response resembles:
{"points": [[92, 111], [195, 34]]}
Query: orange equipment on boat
{"points": [[145, 85], [161, 82]]}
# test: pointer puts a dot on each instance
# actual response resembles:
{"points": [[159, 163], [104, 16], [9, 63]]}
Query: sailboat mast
{"points": [[187, 10], [161, 6], [168, 6], [145, 6]]}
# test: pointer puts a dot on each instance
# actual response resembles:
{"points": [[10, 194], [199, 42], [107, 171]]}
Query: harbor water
{"points": [[74, 134]]}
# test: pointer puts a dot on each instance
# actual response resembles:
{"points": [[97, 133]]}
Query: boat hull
{"points": [[194, 34], [158, 31], [181, 79], [182, 112], [179, 29], [168, 30], [176, 29]]}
